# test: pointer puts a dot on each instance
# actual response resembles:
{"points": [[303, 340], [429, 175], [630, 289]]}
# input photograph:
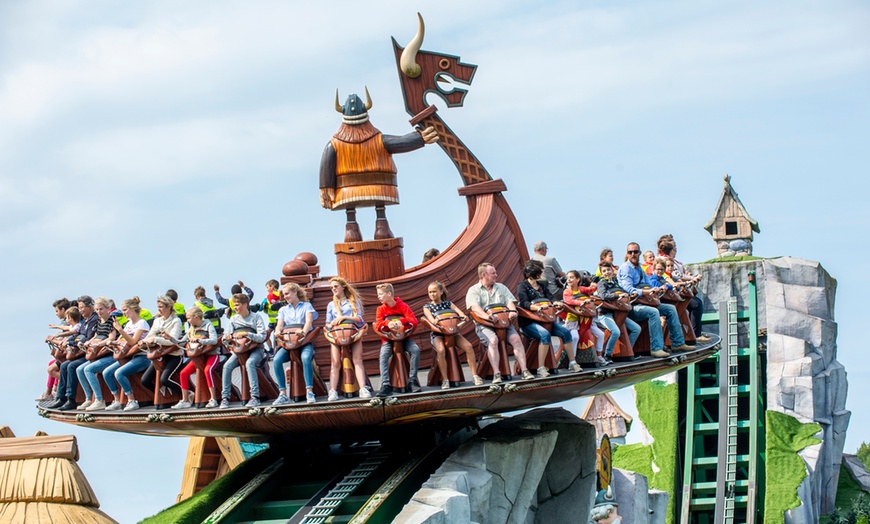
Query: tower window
{"points": [[730, 227]]}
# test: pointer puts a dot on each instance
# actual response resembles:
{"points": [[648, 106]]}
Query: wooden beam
{"points": [[192, 464], [6, 432], [64, 446]]}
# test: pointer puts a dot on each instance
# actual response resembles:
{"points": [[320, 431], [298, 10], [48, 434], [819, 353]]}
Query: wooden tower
{"points": [[731, 226]]}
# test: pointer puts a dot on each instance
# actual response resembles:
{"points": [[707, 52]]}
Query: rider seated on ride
{"points": [[237, 288], [248, 328], [99, 354], [609, 291], [439, 305], [127, 358], [632, 278], [298, 314], [481, 296], [606, 256], [56, 341], [667, 247], [394, 315], [648, 259], [75, 356], [346, 307], [204, 334], [167, 327], [273, 296], [534, 295], [660, 278], [578, 289]]}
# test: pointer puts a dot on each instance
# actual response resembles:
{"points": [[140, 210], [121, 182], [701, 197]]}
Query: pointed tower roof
{"points": [[601, 407], [728, 192]]}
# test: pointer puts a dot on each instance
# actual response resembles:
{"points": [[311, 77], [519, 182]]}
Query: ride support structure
{"points": [[725, 398]]}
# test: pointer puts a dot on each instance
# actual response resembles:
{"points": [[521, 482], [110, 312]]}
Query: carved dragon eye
{"points": [[444, 63]]}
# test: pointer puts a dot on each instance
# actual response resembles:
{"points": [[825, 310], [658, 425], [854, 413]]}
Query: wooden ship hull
{"points": [[492, 235], [361, 419]]}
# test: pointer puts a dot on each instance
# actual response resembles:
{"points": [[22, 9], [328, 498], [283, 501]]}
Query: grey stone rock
{"points": [[417, 513], [452, 480], [658, 506], [454, 504], [857, 471], [805, 513], [478, 481], [632, 494]]}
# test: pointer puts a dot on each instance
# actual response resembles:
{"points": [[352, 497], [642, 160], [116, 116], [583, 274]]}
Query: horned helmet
{"points": [[354, 112]]}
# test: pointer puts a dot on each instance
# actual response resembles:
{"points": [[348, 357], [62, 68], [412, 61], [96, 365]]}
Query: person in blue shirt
{"points": [[633, 279], [297, 314]]}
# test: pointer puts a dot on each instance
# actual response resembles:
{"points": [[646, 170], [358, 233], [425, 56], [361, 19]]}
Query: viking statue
{"points": [[604, 510], [357, 168]]}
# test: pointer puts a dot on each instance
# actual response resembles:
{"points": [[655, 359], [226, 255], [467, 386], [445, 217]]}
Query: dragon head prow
{"points": [[422, 72]]}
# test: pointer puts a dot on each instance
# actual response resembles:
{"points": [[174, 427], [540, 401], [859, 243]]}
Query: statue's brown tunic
{"points": [[365, 173]]}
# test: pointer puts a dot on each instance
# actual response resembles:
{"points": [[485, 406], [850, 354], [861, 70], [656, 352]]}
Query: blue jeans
{"points": [[66, 386], [87, 376], [413, 351], [282, 356], [650, 315], [255, 358], [610, 325], [537, 332], [116, 375], [674, 327]]}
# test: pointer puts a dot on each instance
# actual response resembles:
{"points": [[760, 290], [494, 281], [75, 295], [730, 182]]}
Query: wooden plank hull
{"points": [[362, 419], [493, 235]]}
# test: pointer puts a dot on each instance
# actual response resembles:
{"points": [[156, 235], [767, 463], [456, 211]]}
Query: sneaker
{"points": [[496, 378], [415, 385], [445, 384], [281, 400], [225, 404], [68, 405], [527, 375], [684, 347], [182, 404], [43, 398], [659, 353], [601, 360], [333, 395], [212, 403], [543, 372], [365, 393], [253, 403], [84, 405], [114, 406], [132, 405], [96, 406], [574, 367], [477, 380], [310, 398], [385, 391]]}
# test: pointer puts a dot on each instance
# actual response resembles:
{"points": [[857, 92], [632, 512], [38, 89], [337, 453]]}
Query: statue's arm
{"points": [[403, 144], [327, 176]]}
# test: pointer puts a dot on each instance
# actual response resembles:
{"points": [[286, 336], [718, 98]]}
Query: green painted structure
{"points": [[722, 433]]}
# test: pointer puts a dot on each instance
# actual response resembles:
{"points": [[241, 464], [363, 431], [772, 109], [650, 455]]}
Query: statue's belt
{"points": [[366, 179]]}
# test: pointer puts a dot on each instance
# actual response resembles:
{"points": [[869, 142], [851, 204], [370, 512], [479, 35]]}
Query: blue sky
{"points": [[154, 145]]}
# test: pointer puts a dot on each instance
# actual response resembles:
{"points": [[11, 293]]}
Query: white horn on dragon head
{"points": [[408, 62]]}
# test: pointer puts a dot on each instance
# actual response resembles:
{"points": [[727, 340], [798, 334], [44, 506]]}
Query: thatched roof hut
{"points": [[41, 482]]}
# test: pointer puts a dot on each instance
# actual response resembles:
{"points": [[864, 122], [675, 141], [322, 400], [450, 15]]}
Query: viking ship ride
{"points": [[492, 235]]}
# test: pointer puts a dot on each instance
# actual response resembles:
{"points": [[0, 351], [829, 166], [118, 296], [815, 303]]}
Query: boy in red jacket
{"points": [[394, 315]]}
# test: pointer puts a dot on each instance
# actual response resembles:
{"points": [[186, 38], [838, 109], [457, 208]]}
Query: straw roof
{"points": [[41, 482]]}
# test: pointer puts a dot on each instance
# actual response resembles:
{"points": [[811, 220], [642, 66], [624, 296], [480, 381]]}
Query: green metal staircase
{"points": [[724, 398]]}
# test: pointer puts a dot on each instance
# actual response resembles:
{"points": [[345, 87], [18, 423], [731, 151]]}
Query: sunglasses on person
{"points": [[633, 251]]}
